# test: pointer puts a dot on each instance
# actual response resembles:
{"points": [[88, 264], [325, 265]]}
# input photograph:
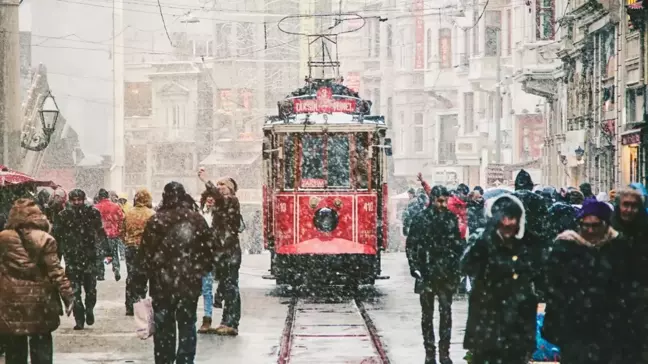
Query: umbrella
{"points": [[494, 192], [10, 177]]}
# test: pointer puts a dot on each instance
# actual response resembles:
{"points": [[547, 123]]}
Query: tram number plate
{"points": [[282, 207], [368, 207]]}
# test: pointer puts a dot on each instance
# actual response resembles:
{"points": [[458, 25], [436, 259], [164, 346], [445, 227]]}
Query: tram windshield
{"points": [[317, 161]]}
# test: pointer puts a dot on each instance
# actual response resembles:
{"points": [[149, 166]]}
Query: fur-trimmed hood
{"points": [[25, 213], [489, 211]]}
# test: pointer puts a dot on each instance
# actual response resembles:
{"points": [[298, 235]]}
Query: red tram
{"points": [[325, 186]]}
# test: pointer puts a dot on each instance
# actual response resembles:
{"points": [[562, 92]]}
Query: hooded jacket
{"points": [[31, 276], [503, 301], [176, 251], [136, 218]]}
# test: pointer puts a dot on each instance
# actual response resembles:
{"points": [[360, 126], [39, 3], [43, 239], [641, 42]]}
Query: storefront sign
{"points": [[419, 35], [324, 103], [633, 137]]}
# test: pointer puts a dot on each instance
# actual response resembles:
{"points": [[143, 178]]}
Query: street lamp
{"points": [[49, 113]]}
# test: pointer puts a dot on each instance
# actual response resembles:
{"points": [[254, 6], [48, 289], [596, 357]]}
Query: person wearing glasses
{"points": [[589, 285]]}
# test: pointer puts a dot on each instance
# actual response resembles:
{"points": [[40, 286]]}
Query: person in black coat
{"points": [[535, 207], [175, 253], [433, 248], [631, 220], [80, 233], [505, 262], [589, 313]]}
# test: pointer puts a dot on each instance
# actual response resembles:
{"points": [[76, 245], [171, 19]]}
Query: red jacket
{"points": [[112, 217], [459, 207]]}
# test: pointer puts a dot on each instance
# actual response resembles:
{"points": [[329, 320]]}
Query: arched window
{"points": [[445, 48]]}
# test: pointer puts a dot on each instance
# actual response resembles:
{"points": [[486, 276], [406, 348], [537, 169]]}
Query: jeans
{"points": [[445, 324], [208, 298], [40, 349], [229, 287], [168, 313], [132, 292], [114, 245], [83, 282]]}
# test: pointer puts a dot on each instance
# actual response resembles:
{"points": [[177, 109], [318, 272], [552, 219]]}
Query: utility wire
{"points": [[480, 16], [164, 23]]}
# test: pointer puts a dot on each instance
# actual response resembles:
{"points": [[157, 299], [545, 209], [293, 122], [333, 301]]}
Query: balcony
{"points": [[463, 67], [482, 69]]}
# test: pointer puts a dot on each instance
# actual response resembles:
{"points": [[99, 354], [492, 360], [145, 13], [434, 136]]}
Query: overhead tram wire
{"points": [[164, 23]]}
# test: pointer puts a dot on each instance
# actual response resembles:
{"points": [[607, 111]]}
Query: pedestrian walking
{"points": [[227, 226], [504, 261], [536, 210], [589, 312], [175, 253], [207, 211], [134, 223], [433, 248], [31, 282], [81, 233], [112, 217]]}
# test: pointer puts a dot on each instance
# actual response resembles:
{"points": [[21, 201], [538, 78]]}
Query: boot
{"points": [[90, 319], [206, 325], [444, 354], [430, 357], [226, 331]]}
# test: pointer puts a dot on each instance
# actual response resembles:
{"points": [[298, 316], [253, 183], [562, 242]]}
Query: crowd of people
{"points": [[174, 252], [584, 258]]}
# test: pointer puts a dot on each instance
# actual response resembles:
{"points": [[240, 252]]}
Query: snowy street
{"points": [[395, 311]]}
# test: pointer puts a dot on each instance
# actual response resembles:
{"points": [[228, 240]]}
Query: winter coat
{"points": [[175, 253], [503, 302], [81, 235], [433, 248], [534, 205], [31, 276], [561, 217], [588, 295], [414, 206], [458, 207], [136, 218], [476, 215], [226, 220], [112, 217]]}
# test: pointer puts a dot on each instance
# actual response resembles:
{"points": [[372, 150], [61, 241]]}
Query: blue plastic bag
{"points": [[545, 351]]}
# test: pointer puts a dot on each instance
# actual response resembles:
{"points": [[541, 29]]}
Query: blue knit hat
{"points": [[596, 208]]}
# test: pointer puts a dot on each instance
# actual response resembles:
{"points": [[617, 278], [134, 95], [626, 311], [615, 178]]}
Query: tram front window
{"points": [[339, 173], [312, 160]]}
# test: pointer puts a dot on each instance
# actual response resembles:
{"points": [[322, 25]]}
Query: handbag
{"points": [[144, 318]]}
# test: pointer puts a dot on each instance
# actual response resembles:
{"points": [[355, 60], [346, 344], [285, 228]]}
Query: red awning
{"points": [[10, 177]]}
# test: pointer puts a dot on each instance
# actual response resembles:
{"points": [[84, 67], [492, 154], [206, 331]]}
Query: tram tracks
{"points": [[330, 332]]}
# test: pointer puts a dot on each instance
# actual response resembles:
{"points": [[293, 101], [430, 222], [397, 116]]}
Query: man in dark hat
{"points": [[80, 232], [534, 205], [175, 253]]}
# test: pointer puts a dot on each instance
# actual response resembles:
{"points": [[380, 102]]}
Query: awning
{"points": [[632, 136], [217, 159], [10, 177]]}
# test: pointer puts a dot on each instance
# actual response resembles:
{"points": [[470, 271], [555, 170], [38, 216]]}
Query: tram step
{"points": [[383, 277], [268, 276]]}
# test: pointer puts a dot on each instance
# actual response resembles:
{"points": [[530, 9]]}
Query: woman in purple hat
{"points": [[589, 292]]}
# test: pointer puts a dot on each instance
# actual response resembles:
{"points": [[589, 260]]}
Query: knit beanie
{"points": [[596, 208], [230, 183]]}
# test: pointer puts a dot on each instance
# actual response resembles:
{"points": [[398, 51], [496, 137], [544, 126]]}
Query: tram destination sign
{"points": [[325, 103]]}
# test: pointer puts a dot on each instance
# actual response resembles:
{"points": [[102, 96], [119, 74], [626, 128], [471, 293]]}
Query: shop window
{"points": [[137, 99]]}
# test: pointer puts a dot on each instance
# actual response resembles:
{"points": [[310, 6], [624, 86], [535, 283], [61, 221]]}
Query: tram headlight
{"points": [[326, 219]]}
